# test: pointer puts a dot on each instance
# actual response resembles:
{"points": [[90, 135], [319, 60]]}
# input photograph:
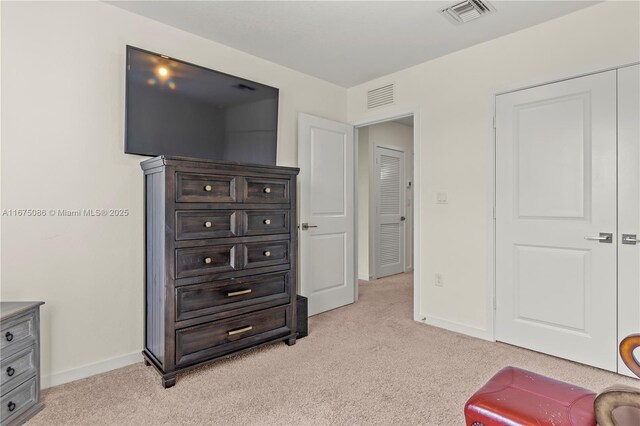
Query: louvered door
{"points": [[390, 220]]}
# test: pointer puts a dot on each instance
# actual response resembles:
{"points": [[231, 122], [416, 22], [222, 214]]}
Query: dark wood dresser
{"points": [[220, 274]]}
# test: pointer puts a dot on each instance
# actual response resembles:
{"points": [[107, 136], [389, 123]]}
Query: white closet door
{"points": [[556, 185], [390, 219], [628, 204]]}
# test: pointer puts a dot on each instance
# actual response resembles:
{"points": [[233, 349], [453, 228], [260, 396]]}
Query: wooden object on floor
{"points": [[19, 361], [620, 405], [221, 245]]}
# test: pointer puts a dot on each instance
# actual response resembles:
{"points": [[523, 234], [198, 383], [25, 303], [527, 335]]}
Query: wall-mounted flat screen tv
{"points": [[176, 108]]}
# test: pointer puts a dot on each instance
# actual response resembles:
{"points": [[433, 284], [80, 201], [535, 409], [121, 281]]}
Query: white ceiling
{"points": [[345, 42], [407, 121]]}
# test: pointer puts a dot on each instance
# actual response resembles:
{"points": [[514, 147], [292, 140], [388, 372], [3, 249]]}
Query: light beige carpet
{"points": [[367, 363]]}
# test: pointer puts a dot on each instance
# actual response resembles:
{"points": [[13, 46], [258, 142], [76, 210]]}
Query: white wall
{"points": [[454, 96], [364, 175], [389, 135], [63, 69]]}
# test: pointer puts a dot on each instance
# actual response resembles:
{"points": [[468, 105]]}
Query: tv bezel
{"points": [[163, 56]]}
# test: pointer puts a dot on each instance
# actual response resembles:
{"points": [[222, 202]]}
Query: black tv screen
{"points": [[176, 108]]}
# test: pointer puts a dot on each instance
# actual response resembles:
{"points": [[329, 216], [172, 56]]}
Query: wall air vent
{"points": [[467, 10], [385, 95]]}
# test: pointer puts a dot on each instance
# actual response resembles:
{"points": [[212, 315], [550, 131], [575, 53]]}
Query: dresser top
{"points": [[173, 160], [11, 309]]}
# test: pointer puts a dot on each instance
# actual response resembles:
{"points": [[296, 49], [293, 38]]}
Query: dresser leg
{"points": [[168, 381], [291, 341]]}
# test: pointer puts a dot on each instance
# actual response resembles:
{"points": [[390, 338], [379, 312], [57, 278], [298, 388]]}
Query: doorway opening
{"points": [[385, 203]]}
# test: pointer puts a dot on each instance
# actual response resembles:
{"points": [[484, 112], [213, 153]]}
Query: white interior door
{"points": [[628, 205], [390, 221], [326, 157], [556, 185]]}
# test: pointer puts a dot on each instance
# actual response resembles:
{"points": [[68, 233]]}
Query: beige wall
{"points": [[388, 135], [454, 97], [364, 175], [63, 69]]}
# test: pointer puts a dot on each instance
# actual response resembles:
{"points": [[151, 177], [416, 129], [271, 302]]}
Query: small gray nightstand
{"points": [[19, 361]]}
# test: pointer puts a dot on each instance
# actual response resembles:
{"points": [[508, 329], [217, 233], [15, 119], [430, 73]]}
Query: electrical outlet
{"points": [[441, 197], [439, 280]]}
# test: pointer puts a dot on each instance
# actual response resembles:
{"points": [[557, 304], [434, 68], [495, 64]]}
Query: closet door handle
{"points": [[630, 239], [604, 237]]}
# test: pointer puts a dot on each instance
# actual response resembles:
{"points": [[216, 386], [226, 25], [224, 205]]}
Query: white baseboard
{"points": [[67, 376], [457, 327], [364, 277]]}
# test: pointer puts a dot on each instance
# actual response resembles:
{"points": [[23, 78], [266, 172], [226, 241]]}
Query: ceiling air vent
{"points": [[385, 95], [467, 10]]}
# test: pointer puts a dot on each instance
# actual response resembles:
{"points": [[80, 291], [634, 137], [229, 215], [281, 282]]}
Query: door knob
{"points": [[604, 237], [402, 218], [630, 239], [306, 226]]}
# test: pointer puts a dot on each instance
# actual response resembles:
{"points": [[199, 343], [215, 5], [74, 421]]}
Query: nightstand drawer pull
{"points": [[11, 405], [267, 190], [10, 371], [267, 221], [8, 336], [208, 260], [207, 224], [239, 330], [208, 188], [267, 254], [239, 293]]}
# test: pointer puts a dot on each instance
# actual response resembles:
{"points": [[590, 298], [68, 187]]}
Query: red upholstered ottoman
{"points": [[518, 397]]}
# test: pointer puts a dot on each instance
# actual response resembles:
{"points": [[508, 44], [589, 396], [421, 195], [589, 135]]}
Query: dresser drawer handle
{"points": [[267, 221], [8, 336], [208, 188], [267, 190], [239, 330], [208, 260], [11, 405], [239, 293], [267, 254], [207, 224], [11, 371]]}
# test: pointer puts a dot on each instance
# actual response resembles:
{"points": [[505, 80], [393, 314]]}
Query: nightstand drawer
{"points": [[263, 190], [204, 188], [205, 299], [16, 333], [17, 367], [216, 338], [257, 255], [265, 222], [202, 224], [192, 262], [18, 400]]}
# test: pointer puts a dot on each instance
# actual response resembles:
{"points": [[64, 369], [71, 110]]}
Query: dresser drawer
{"points": [[17, 367], [204, 188], [16, 333], [265, 222], [15, 402], [257, 255], [198, 224], [205, 260], [216, 338], [205, 299], [263, 190]]}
